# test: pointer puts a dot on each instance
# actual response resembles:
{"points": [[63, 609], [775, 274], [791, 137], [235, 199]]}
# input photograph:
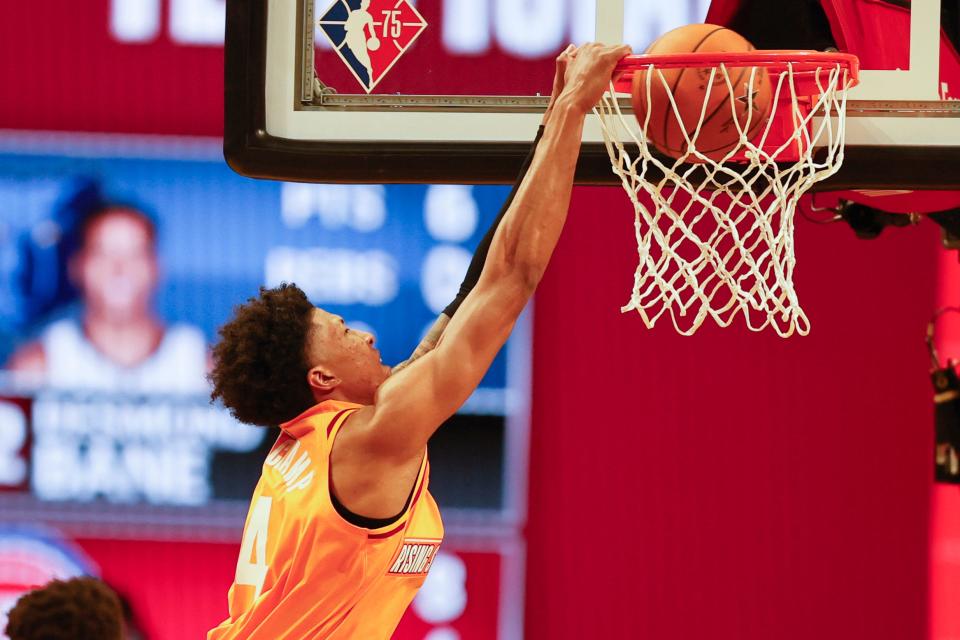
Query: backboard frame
{"points": [[269, 132], [252, 151]]}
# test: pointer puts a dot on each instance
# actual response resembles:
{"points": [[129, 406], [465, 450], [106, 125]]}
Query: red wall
{"points": [[67, 74], [731, 485], [177, 589], [945, 503]]}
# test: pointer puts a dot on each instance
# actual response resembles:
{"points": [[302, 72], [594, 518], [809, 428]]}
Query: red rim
{"points": [[801, 61]]}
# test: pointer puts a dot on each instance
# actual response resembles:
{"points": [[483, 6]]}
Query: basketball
{"points": [[718, 133], [373, 44]]}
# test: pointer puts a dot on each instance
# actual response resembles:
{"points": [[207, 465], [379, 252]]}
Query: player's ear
{"points": [[322, 380]]}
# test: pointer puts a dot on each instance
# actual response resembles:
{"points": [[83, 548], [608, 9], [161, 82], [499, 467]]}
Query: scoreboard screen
{"points": [[120, 265]]}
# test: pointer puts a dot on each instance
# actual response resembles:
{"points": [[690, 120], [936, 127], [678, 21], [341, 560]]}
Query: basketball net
{"points": [[715, 237]]}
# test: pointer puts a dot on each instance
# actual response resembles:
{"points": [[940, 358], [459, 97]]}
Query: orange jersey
{"points": [[306, 573]]}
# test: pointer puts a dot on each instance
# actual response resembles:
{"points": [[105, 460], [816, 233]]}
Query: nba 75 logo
{"points": [[371, 35]]}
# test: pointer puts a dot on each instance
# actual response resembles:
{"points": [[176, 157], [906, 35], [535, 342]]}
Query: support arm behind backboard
{"points": [[609, 21]]}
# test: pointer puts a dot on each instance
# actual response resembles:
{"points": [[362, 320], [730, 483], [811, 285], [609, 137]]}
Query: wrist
{"points": [[568, 104]]}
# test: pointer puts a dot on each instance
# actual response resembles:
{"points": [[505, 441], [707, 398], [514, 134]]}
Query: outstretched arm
{"points": [[430, 340], [473, 271], [386, 441]]}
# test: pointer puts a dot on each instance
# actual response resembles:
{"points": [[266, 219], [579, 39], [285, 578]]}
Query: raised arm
{"points": [[388, 438], [432, 337], [472, 276]]}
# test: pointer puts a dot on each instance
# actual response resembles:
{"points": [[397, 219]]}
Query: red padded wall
{"points": [[731, 486], [67, 74]]}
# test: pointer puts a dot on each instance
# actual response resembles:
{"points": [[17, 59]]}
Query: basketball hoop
{"points": [[715, 235]]}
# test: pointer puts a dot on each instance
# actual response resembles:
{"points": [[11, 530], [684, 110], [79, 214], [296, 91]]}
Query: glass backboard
{"points": [[453, 90]]}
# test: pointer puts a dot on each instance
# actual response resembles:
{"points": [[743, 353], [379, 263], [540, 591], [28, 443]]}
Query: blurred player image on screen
{"points": [[119, 343], [342, 529]]}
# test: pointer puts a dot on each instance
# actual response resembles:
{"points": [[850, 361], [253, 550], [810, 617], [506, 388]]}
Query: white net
{"points": [[715, 236]]}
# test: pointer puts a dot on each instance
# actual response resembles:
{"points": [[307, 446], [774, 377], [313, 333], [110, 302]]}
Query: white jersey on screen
{"points": [[177, 366]]}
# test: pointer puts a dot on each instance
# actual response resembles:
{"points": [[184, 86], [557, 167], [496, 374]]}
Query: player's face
{"points": [[117, 267], [349, 353]]}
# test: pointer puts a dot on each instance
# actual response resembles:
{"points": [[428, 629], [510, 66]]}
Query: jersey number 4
{"points": [[252, 565]]}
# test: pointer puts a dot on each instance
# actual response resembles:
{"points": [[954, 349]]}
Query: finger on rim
{"points": [[567, 53]]}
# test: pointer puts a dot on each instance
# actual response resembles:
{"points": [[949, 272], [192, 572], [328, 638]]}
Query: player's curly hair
{"points": [[260, 365], [77, 609]]}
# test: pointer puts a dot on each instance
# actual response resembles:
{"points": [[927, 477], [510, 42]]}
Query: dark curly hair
{"points": [[260, 365], [77, 609]]}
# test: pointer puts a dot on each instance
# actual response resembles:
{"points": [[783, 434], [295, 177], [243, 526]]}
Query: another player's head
{"points": [[279, 355], [115, 267], [77, 609]]}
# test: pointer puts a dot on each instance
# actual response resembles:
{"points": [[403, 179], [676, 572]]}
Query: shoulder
{"points": [[362, 441], [185, 336], [63, 336], [186, 345], [62, 329], [325, 418], [30, 357]]}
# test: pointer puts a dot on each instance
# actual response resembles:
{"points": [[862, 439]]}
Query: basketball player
{"points": [[342, 529], [119, 344]]}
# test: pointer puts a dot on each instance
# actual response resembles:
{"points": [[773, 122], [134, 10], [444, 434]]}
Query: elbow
{"points": [[525, 279], [529, 277], [522, 271]]}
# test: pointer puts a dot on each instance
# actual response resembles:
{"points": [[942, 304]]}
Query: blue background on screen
{"points": [[216, 230]]}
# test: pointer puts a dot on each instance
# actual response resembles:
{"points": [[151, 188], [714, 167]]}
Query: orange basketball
{"points": [[718, 133]]}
